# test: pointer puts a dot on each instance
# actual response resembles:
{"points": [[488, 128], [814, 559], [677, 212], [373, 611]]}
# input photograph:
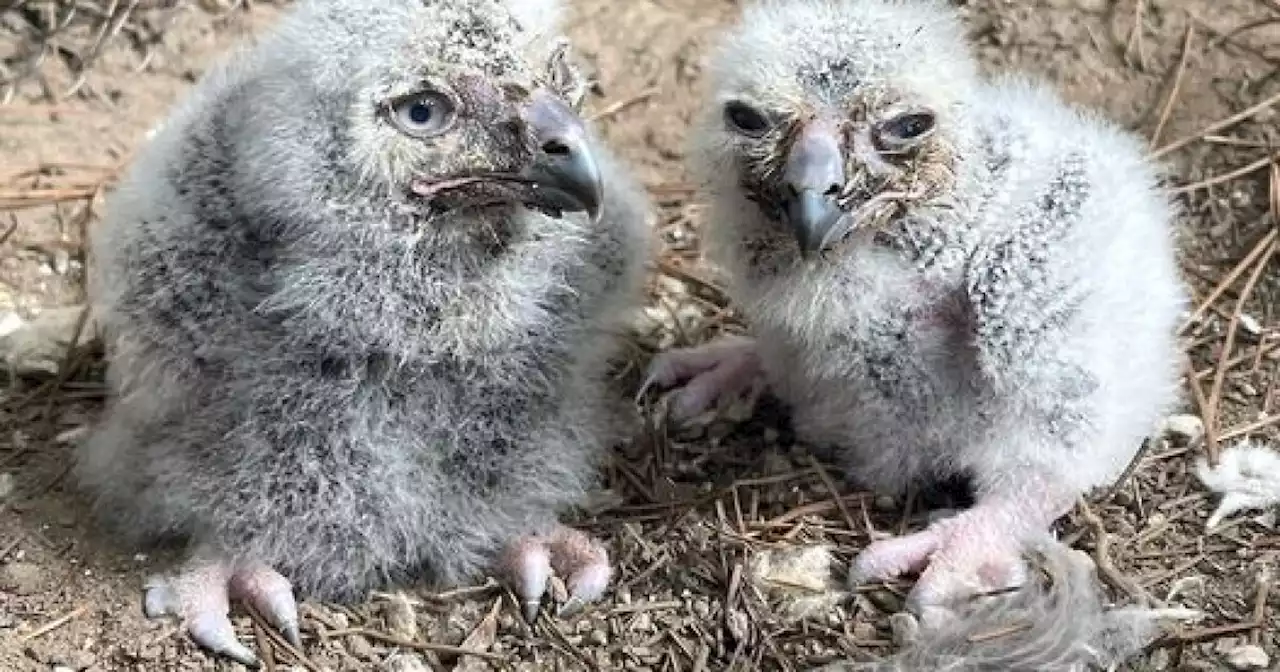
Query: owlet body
{"points": [[943, 275], [359, 292]]}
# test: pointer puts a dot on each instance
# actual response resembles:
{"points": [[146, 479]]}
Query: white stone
{"points": [[1248, 657]]}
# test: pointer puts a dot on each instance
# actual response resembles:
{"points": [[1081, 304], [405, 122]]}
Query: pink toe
{"points": [[582, 561], [589, 582], [892, 558], [271, 594], [526, 563]]}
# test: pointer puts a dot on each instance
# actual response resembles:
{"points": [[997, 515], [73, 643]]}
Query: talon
{"points": [[272, 595], [216, 634], [292, 635], [200, 595], [528, 562], [529, 609]]}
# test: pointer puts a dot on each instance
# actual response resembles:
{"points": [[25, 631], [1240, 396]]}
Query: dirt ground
{"points": [[690, 514]]}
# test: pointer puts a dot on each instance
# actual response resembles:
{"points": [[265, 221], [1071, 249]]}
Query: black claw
{"points": [[530, 609], [291, 635]]}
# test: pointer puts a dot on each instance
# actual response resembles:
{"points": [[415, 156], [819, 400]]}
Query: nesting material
{"points": [[799, 580], [1247, 476]]}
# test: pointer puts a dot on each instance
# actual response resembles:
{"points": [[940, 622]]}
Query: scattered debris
{"points": [[1247, 477], [800, 579], [40, 346], [1189, 428], [1248, 657], [398, 614], [480, 639], [21, 578]]}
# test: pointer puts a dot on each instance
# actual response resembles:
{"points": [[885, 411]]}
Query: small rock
{"points": [[1226, 645], [405, 662], [738, 624], [1248, 657], [61, 261], [598, 637], [864, 632], [360, 647], [340, 620], [20, 578], [905, 628], [1188, 427], [401, 620], [643, 622], [7, 484]]}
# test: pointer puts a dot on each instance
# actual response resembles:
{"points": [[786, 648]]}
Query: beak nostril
{"points": [[556, 148], [832, 191]]}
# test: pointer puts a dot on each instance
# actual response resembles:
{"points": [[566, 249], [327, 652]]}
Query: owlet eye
{"points": [[746, 119], [423, 115], [905, 130]]}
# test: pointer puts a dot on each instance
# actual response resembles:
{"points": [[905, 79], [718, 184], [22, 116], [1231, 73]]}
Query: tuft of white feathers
{"points": [[1247, 476], [1061, 624]]}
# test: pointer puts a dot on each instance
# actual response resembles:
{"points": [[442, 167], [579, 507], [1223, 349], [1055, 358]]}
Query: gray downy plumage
{"points": [[331, 351]]}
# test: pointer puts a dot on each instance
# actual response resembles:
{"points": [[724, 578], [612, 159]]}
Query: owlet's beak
{"points": [[813, 178], [564, 171]]}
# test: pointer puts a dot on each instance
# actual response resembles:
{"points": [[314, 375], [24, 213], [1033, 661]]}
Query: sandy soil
{"points": [[69, 600]]}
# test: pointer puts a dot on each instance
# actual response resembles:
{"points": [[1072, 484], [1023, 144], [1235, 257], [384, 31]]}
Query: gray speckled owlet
{"points": [[358, 293]]}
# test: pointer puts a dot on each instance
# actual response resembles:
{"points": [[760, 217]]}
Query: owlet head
{"points": [[448, 106], [834, 115]]}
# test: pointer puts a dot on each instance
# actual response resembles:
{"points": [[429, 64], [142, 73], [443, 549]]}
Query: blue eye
{"points": [[420, 113], [423, 115]]}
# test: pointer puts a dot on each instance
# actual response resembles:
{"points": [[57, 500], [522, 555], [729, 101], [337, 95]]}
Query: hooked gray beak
{"points": [[813, 179], [564, 171]]}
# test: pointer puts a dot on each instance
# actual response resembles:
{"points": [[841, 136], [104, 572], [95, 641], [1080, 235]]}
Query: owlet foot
{"points": [[723, 369], [200, 596], [977, 551], [577, 558]]}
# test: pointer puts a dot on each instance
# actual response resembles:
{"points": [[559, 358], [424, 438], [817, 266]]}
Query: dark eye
{"points": [[423, 115], [746, 119], [905, 130]]}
